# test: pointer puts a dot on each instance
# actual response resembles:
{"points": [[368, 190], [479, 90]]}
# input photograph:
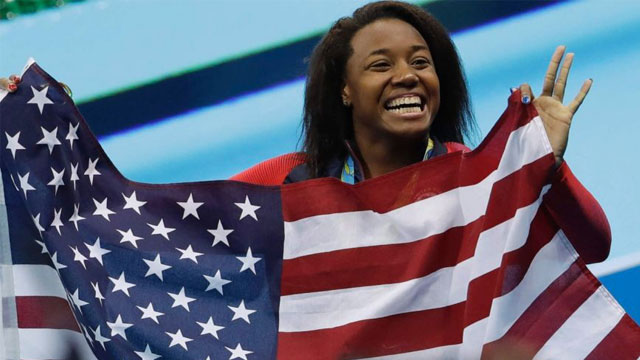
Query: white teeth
{"points": [[404, 101], [406, 110]]}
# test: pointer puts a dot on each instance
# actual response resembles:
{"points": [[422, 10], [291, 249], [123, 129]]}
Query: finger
{"points": [[526, 93], [15, 78], [561, 82], [550, 76], [577, 101], [8, 85]]}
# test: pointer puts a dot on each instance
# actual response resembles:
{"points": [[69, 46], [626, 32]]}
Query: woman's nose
{"points": [[405, 77]]}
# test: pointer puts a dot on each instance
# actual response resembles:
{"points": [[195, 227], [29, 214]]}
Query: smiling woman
{"points": [[386, 50], [385, 89], [394, 91]]}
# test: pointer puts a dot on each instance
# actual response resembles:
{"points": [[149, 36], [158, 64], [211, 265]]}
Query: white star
{"points": [[147, 354], [74, 174], [121, 284], [40, 98], [72, 135], [188, 253], [56, 264], [98, 293], [160, 229], [44, 247], [49, 138], [150, 313], [238, 352], [118, 327], [241, 312], [91, 169], [180, 299], [248, 261], [156, 267], [216, 282], [99, 338], [57, 180], [210, 328], [77, 256], [96, 251], [178, 339], [75, 299], [128, 236], [190, 207], [133, 203], [24, 183], [57, 222], [248, 209], [101, 209], [13, 144], [220, 234], [36, 222], [75, 217]]}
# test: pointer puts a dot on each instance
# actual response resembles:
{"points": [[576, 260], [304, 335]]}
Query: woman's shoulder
{"points": [[272, 171]]}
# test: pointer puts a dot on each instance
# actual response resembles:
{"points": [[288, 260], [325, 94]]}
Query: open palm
{"points": [[556, 116]]}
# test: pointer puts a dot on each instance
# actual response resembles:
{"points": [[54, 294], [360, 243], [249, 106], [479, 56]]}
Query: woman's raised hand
{"points": [[556, 116], [10, 84]]}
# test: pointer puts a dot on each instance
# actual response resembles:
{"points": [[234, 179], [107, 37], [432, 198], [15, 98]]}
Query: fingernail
{"points": [[12, 87], [513, 90], [16, 79], [525, 99]]}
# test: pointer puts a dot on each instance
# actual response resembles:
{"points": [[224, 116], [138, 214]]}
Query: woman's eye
{"points": [[380, 65], [421, 62]]}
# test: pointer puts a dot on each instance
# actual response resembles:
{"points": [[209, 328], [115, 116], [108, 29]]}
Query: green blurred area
{"points": [[10, 9]]}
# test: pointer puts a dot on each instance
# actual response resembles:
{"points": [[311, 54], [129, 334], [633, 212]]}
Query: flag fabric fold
{"points": [[450, 258]]}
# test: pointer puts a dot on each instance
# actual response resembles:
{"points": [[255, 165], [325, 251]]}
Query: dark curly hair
{"points": [[327, 122]]}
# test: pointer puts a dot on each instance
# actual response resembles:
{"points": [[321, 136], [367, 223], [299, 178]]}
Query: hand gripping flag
{"points": [[450, 258]]}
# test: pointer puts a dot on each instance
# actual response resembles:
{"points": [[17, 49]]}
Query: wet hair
{"points": [[327, 122]]}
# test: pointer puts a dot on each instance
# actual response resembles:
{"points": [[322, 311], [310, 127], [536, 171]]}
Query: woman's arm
{"points": [[579, 215], [571, 205]]}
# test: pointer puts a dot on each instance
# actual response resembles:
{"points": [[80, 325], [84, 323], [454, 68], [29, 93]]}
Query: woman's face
{"points": [[391, 82]]}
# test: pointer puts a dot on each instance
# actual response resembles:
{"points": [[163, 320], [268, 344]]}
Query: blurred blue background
{"points": [[199, 90]]}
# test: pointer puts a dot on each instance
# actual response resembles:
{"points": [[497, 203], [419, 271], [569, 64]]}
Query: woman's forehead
{"points": [[386, 35]]}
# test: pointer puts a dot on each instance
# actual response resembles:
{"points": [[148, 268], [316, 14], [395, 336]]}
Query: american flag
{"points": [[451, 258]]}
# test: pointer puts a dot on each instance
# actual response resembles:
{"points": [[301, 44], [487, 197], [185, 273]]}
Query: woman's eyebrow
{"points": [[384, 51]]}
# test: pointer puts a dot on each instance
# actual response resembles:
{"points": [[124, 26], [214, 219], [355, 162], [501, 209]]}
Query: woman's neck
{"points": [[386, 155]]}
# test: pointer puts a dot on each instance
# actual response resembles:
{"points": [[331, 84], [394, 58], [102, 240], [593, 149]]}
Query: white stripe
{"points": [[457, 207], [37, 280], [447, 286], [40, 344], [505, 237], [584, 330], [548, 264], [327, 309]]}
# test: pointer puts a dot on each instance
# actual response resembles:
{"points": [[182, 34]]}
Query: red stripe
{"points": [[407, 185], [48, 312], [545, 315], [401, 262], [379, 264], [621, 343], [390, 335], [514, 266]]}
